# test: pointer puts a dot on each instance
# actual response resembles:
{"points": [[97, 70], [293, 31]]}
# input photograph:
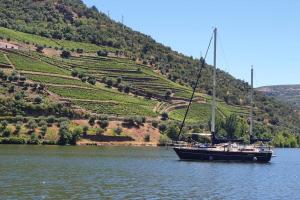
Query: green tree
{"points": [[64, 134], [85, 130], [172, 132], [103, 123], [6, 132], [18, 128], [230, 126], [32, 125], [44, 129], [92, 120], [4, 124], [77, 132]]}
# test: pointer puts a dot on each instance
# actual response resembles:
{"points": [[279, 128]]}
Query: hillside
{"points": [[103, 72], [286, 93]]}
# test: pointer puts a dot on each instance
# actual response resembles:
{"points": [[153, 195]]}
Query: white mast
{"points": [[251, 108], [213, 117]]}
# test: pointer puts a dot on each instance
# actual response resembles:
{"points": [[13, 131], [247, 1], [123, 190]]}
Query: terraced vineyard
{"points": [[55, 74], [24, 63], [138, 76]]}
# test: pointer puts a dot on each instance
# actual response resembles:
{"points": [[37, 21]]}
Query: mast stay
{"points": [[202, 65]]}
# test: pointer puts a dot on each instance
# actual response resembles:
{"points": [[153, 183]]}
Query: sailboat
{"points": [[224, 149]]}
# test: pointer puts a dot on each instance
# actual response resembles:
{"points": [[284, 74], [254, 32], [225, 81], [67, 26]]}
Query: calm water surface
{"points": [[52, 172]]}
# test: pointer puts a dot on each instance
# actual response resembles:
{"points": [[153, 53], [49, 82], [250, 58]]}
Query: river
{"points": [[54, 172]]}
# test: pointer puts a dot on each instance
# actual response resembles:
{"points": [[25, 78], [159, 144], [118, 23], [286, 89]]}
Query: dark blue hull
{"points": [[207, 155]]}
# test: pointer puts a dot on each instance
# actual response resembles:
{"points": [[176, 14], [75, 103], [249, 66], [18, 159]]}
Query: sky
{"points": [[262, 33]]}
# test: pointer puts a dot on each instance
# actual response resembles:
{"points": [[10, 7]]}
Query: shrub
{"points": [[38, 99], [31, 125], [42, 123], [148, 95], [168, 94], [44, 129], [119, 79], [11, 89], [118, 131], [79, 51], [99, 131], [120, 88], [109, 83], [18, 127], [103, 80], [102, 53], [51, 119], [92, 120], [18, 96], [164, 140], [103, 117], [129, 121], [155, 124], [103, 123], [74, 73], [164, 116], [162, 128], [39, 49], [139, 120], [127, 89], [91, 80], [4, 124], [85, 130], [81, 75], [172, 132], [22, 78], [34, 140], [13, 140], [84, 79], [7, 132], [65, 54]]}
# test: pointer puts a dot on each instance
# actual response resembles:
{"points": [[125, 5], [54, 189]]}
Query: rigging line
{"points": [[202, 64]]}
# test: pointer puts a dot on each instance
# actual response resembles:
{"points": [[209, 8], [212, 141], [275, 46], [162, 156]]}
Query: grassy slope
{"points": [[34, 39], [3, 60]]}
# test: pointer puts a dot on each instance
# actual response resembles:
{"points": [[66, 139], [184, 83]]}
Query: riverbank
{"points": [[113, 143]]}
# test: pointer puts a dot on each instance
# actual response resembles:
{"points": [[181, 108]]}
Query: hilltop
{"points": [[286, 93], [73, 63]]}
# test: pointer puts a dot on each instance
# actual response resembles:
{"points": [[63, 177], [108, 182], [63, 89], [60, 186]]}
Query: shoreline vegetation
{"points": [[134, 131]]}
